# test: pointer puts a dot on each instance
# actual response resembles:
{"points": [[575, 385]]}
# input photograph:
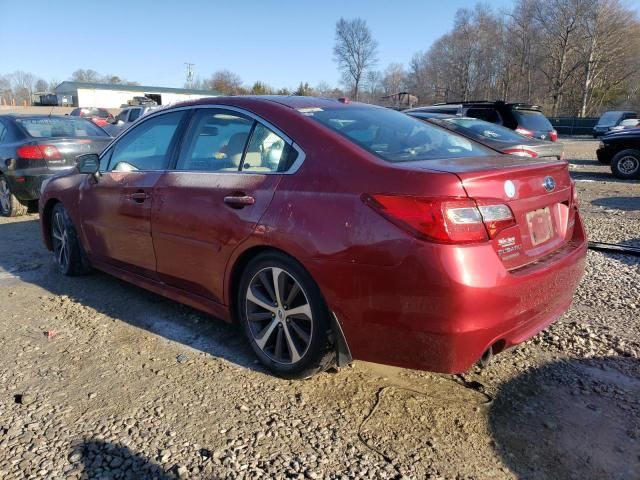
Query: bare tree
{"points": [[394, 78], [225, 82], [355, 52]]}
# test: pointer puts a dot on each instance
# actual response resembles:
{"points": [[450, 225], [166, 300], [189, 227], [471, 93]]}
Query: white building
{"points": [[104, 95]]}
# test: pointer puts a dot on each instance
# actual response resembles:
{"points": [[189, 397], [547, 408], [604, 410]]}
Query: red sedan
{"points": [[330, 230]]}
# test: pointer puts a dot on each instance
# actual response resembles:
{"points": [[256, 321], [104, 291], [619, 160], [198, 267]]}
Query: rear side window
{"points": [[146, 147], [532, 120], [486, 114], [53, 127], [216, 141], [267, 152], [394, 136], [3, 132]]}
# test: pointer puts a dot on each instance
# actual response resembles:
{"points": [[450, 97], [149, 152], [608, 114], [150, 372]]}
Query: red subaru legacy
{"points": [[329, 230]]}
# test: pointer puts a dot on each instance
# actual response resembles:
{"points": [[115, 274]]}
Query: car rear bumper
{"points": [[25, 184], [442, 312]]}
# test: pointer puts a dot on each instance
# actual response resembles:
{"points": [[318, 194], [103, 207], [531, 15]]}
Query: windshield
{"points": [[52, 127], [532, 120], [394, 136], [608, 119], [484, 129]]}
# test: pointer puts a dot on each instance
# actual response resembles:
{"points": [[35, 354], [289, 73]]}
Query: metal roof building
{"points": [[105, 95]]}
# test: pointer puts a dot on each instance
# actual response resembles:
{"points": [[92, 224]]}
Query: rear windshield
{"points": [[50, 127], [532, 120], [609, 119], [394, 136], [484, 129]]}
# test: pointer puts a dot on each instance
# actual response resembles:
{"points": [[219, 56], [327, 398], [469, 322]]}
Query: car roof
{"points": [[16, 116], [292, 101]]}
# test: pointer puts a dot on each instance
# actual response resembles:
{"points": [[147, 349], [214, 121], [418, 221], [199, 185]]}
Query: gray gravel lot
{"points": [[101, 379]]}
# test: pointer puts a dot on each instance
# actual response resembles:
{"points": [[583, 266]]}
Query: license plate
{"points": [[540, 226]]}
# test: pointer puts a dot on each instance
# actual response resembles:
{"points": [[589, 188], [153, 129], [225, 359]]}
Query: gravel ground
{"points": [[103, 380]]}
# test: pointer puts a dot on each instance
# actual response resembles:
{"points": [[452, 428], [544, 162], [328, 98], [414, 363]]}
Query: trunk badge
{"points": [[509, 189], [549, 184]]}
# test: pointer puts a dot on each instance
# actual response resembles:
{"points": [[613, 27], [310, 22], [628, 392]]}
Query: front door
{"points": [[116, 208], [224, 180]]}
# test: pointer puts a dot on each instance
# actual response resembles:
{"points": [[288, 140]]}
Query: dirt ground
{"points": [[104, 380]]}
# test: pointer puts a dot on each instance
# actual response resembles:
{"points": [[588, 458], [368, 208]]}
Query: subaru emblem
{"points": [[549, 184], [509, 189]]}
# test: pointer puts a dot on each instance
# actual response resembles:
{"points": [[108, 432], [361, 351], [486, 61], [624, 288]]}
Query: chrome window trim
{"points": [[293, 169]]}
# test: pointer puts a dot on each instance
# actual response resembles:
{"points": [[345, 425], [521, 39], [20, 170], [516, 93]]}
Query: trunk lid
{"points": [[70, 148], [538, 192]]}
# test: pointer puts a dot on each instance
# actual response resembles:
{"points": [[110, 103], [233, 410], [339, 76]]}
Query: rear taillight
{"points": [[521, 152], [525, 132], [553, 135], [443, 220], [38, 152], [496, 216]]}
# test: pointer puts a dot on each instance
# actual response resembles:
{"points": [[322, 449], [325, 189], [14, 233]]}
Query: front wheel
{"points": [[626, 164], [67, 252], [284, 317], [10, 206]]}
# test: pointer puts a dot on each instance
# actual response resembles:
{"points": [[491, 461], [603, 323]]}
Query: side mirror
{"points": [[88, 163], [111, 120]]}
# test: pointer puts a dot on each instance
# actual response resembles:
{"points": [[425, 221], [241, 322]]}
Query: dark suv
{"points": [[527, 120]]}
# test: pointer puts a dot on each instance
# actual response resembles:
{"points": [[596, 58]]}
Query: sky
{"points": [[280, 42]]}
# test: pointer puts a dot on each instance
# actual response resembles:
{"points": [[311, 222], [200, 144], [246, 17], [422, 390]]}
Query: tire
{"points": [[10, 206], [626, 164], [291, 347], [68, 255]]}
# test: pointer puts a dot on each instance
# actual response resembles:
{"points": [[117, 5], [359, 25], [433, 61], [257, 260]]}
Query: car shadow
{"points": [[628, 204], [598, 177], [24, 258], [571, 419], [102, 460]]}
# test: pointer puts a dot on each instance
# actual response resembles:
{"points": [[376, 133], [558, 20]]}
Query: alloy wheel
{"points": [[61, 246], [628, 165], [279, 315], [5, 196]]}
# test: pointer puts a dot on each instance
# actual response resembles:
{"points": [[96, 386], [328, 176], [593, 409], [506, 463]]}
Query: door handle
{"points": [[139, 197], [239, 201]]}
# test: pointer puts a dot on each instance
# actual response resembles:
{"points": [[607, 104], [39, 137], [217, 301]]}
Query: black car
{"points": [[609, 120], [494, 136], [622, 151], [36, 147], [527, 120]]}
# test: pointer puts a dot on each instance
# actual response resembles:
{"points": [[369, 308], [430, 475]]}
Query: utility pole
{"points": [[190, 74]]}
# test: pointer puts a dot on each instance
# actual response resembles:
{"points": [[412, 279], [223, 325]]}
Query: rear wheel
{"points": [[10, 206], [626, 164], [284, 317], [67, 252]]}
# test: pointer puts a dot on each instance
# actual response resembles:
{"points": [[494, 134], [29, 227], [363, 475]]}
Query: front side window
{"points": [[146, 147], [267, 152], [3, 132], [394, 136], [216, 141]]}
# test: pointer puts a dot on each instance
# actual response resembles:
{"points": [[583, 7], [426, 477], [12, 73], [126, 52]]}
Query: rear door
{"points": [[116, 209], [223, 181]]}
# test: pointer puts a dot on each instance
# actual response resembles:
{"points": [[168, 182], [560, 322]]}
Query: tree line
{"points": [[572, 57]]}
